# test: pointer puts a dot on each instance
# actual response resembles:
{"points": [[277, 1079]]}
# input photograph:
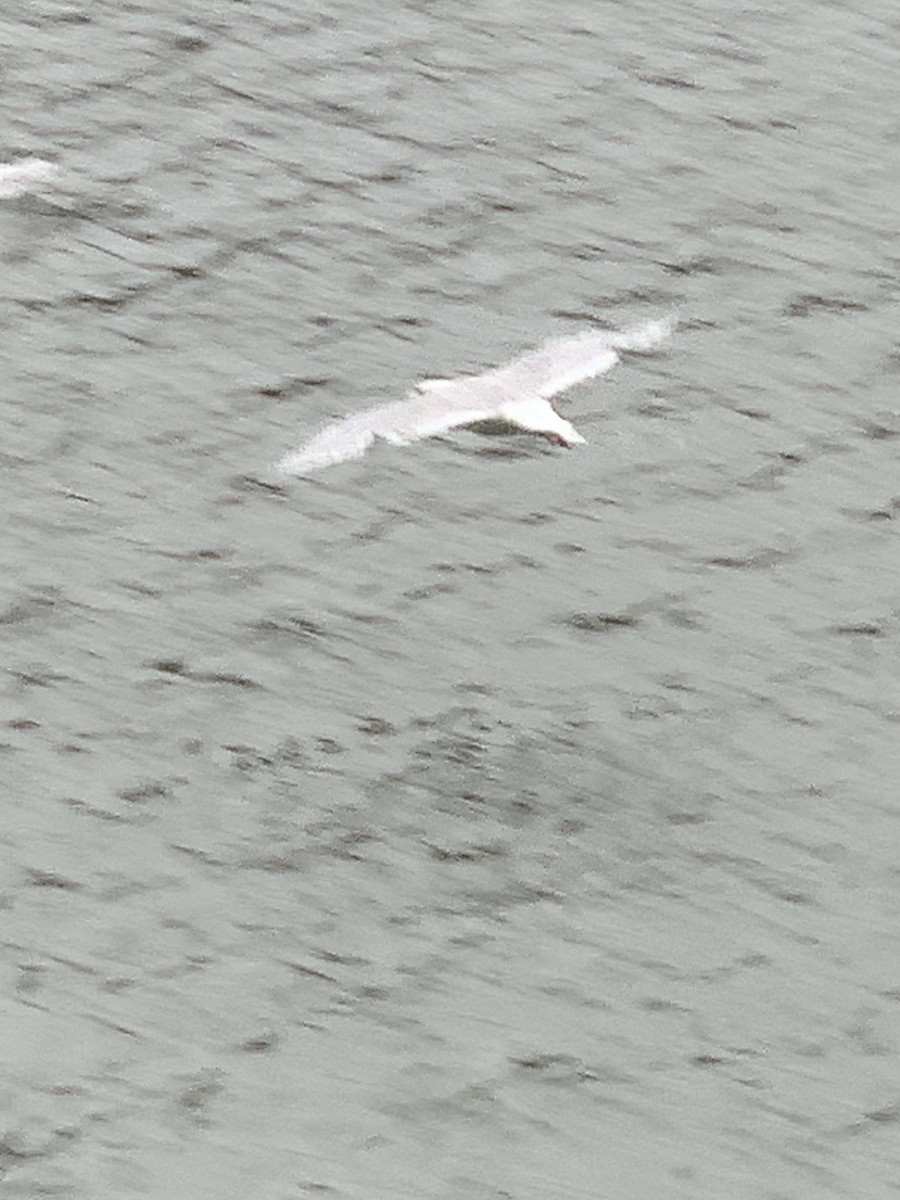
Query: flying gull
{"points": [[26, 175], [518, 393]]}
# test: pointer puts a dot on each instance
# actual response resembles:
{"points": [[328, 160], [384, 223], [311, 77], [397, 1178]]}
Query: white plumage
{"points": [[518, 393]]}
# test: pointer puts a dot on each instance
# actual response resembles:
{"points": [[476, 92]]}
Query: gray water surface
{"points": [[475, 820]]}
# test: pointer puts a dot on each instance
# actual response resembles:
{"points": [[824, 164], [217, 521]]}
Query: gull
{"points": [[26, 175], [517, 393]]}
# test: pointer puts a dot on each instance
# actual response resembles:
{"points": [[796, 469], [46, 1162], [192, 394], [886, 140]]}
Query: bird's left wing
{"points": [[562, 362]]}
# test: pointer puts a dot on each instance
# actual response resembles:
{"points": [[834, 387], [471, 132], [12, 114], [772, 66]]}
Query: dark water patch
{"points": [[447, 568], [229, 679], [109, 303], [685, 618], [248, 759], [208, 858], [69, 16], [399, 326], [247, 485], [658, 409], [699, 265], [742, 124], [466, 854], [198, 1093], [380, 529], [808, 303], [758, 560], [706, 1061], [52, 879], [533, 517], [202, 554], [566, 1069], [495, 204], [679, 82], [178, 668], [510, 453], [91, 810], [15, 1150], [79, 497], [581, 316], [860, 629], [35, 607], [261, 1043], [880, 431], [286, 863], [168, 666], [328, 745], [294, 386], [646, 297], [143, 793], [190, 43], [430, 590], [888, 1115], [494, 427], [886, 512], [40, 677], [373, 726], [458, 749], [754, 414], [601, 622], [288, 625], [687, 817], [376, 619], [188, 271]]}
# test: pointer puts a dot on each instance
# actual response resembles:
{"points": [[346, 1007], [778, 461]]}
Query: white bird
{"points": [[518, 393], [26, 175]]}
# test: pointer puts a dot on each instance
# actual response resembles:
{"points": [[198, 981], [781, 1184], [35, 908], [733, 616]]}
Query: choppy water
{"points": [[476, 820]]}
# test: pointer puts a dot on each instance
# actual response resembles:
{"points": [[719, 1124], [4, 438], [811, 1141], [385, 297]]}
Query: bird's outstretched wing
{"points": [[562, 362], [433, 407]]}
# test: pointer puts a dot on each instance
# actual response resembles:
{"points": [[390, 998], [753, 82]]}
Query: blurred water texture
{"points": [[479, 819]]}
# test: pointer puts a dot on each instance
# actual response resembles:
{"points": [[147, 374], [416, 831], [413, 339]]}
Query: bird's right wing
{"points": [[433, 407], [336, 443]]}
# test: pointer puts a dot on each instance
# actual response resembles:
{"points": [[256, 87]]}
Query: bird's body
{"points": [[518, 393]]}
